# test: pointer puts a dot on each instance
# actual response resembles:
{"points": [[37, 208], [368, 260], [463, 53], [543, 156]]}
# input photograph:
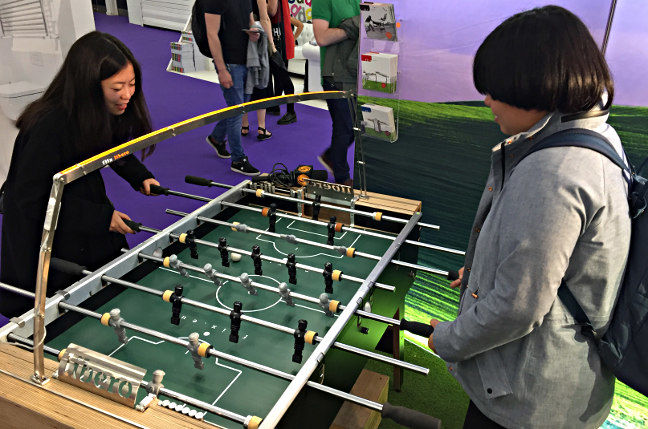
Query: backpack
{"points": [[624, 346], [199, 30]]}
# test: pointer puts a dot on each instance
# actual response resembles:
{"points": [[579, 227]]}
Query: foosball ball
{"points": [[258, 309]]}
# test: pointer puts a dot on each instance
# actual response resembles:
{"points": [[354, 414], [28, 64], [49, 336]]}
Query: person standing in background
{"points": [[336, 28]]}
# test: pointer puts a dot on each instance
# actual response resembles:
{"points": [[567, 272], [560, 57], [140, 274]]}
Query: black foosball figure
{"points": [[235, 319], [328, 277], [299, 341], [191, 242], [256, 259], [316, 206], [176, 304], [331, 230], [222, 248], [272, 217], [292, 268]]}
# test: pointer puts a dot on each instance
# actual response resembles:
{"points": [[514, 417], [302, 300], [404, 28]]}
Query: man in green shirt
{"points": [[335, 24]]}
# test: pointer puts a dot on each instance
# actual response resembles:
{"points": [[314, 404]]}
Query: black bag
{"points": [[624, 346], [199, 30]]}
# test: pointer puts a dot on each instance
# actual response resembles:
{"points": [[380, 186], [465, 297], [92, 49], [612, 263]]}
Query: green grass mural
{"points": [[452, 144]]}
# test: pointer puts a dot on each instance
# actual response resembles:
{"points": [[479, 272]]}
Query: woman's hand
{"points": [[457, 282], [118, 225], [434, 323], [146, 186]]}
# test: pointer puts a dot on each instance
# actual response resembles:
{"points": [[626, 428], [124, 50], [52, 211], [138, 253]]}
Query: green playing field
{"points": [[225, 384]]}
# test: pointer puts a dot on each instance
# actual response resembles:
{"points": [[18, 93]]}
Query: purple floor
{"points": [[172, 98]]}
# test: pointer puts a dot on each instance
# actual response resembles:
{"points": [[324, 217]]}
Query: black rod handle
{"points": [[417, 328], [135, 226], [453, 275], [410, 418], [200, 181], [67, 267], [155, 189]]}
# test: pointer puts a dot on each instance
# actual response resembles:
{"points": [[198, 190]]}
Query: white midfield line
{"points": [[258, 237]]}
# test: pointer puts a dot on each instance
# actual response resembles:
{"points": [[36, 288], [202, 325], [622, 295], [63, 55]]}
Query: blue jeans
{"points": [[231, 127], [342, 136]]}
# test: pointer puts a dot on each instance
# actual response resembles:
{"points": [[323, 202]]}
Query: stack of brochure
{"points": [[379, 122], [182, 57]]}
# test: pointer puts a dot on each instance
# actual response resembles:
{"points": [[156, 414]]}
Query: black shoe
{"points": [[273, 111], [263, 134], [326, 162], [219, 147], [244, 167], [288, 118]]}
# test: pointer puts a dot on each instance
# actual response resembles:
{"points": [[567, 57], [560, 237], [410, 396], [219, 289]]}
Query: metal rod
{"points": [[277, 327], [240, 361], [383, 286], [372, 215], [289, 395], [17, 290], [325, 246], [318, 222]]}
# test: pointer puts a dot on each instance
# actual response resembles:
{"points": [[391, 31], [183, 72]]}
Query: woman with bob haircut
{"points": [[95, 102], [559, 213]]}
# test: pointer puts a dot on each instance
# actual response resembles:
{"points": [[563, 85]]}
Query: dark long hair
{"points": [[76, 91], [544, 59]]}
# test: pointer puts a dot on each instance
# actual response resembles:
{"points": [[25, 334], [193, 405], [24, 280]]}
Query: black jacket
{"points": [[82, 234]]}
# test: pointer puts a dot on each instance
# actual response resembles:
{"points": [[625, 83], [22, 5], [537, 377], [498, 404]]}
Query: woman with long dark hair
{"points": [[94, 102]]}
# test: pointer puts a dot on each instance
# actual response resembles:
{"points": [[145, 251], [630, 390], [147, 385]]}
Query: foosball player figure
{"points": [[299, 340], [331, 230], [222, 248], [292, 268], [256, 259], [235, 319], [328, 277], [176, 304], [191, 242], [272, 217], [212, 274], [116, 322], [316, 206], [247, 283], [285, 294], [193, 349]]}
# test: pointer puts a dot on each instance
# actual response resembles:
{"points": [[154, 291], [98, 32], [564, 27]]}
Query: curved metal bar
{"points": [[105, 158]]}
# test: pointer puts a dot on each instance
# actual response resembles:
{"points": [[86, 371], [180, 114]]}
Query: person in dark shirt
{"points": [[94, 102], [224, 20]]}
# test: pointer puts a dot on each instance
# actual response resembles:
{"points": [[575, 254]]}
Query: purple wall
{"points": [[437, 43]]}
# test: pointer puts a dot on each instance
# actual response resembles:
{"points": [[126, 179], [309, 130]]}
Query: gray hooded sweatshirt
{"points": [[558, 213]]}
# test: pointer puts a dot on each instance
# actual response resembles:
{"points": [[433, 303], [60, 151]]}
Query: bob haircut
{"points": [[543, 59], [76, 90]]}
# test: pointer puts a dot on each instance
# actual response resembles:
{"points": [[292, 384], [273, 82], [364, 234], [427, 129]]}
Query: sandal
{"points": [[245, 130], [264, 134]]}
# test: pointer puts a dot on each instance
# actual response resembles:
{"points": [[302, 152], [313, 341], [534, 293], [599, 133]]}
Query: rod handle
{"points": [[155, 189], [67, 267], [135, 226], [409, 418], [200, 181], [453, 275], [418, 328]]}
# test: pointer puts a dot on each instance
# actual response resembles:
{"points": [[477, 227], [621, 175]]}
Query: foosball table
{"points": [[258, 309]]}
